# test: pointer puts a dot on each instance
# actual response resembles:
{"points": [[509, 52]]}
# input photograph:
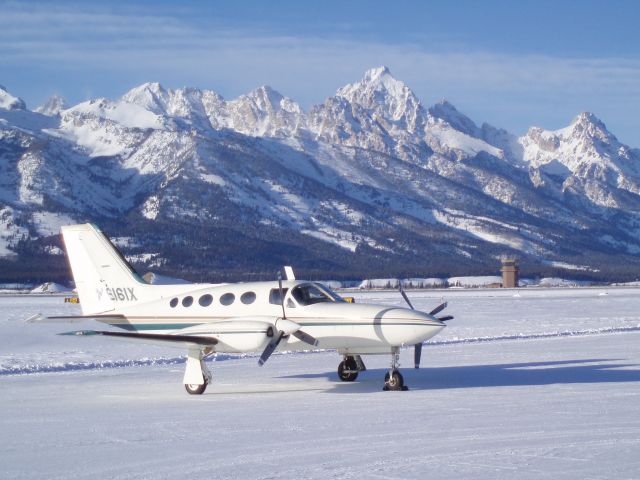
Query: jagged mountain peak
{"points": [[385, 97], [267, 99], [448, 113], [266, 93], [9, 102], [587, 125], [153, 87], [588, 118], [53, 106], [376, 73], [150, 95], [378, 84]]}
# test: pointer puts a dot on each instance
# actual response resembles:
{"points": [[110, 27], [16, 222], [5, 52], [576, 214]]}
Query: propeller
{"points": [[404, 295], [271, 346], [417, 351], [438, 309], [284, 328]]}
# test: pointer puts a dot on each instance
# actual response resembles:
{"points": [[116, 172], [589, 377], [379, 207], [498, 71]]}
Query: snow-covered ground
{"points": [[522, 384]]}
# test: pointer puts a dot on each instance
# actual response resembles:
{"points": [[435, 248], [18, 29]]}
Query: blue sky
{"points": [[513, 64]]}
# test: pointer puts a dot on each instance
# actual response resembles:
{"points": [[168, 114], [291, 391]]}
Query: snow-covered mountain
{"points": [[9, 102], [370, 181], [53, 106]]}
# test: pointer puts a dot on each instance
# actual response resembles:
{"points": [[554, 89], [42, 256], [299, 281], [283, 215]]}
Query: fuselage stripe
{"points": [[178, 326]]}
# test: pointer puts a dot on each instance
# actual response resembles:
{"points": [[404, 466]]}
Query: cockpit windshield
{"points": [[310, 293]]}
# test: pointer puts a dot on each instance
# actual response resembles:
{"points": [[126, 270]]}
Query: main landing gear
{"points": [[196, 375], [393, 378], [350, 367]]}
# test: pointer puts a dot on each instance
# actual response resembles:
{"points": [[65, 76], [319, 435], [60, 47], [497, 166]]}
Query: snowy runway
{"points": [[552, 404]]}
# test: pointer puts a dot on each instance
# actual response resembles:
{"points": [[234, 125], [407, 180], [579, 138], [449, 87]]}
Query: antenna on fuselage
{"points": [[284, 315]]}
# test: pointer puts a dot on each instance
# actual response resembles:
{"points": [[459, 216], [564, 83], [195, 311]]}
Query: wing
{"points": [[39, 318], [164, 339]]}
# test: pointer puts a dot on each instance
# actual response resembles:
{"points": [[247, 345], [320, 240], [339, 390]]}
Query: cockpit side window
{"points": [[332, 294], [309, 293], [274, 295]]}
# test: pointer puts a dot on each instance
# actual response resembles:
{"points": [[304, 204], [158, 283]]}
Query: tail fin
{"points": [[103, 277]]}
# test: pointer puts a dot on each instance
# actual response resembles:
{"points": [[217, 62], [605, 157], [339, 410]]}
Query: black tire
{"points": [[193, 389], [347, 365], [395, 381]]}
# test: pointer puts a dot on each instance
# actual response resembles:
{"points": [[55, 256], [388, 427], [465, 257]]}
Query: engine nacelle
{"points": [[235, 336]]}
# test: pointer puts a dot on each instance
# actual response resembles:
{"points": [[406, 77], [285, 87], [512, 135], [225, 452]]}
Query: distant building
{"points": [[510, 272]]}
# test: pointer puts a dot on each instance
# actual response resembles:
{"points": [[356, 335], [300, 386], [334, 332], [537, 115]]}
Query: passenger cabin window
{"points": [[205, 300], [187, 301], [227, 299], [310, 293], [248, 298], [173, 303], [274, 295]]}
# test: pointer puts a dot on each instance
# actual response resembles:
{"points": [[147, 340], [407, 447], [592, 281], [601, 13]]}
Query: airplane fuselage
{"points": [[238, 316]]}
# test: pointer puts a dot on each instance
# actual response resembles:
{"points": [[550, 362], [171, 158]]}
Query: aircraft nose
{"points": [[415, 316], [407, 327]]}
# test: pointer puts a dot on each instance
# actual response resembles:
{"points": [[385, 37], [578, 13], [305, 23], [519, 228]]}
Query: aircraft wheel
{"points": [[394, 381], [195, 389], [350, 375]]}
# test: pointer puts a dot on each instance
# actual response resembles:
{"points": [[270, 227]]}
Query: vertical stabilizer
{"points": [[103, 277]]}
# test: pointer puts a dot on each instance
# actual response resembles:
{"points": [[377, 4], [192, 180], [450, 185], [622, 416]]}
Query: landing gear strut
{"points": [[350, 367], [393, 379], [197, 376]]}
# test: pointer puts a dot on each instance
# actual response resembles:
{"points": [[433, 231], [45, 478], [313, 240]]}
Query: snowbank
{"points": [[480, 281], [562, 282], [50, 287]]}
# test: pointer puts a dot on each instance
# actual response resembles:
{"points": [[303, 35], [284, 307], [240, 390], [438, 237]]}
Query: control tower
{"points": [[509, 271]]}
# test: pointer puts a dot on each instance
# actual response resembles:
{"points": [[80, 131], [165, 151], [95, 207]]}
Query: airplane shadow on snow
{"points": [[497, 375]]}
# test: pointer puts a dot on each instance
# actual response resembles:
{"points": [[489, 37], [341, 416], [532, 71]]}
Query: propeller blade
{"points": [[271, 346], [417, 353], [404, 295], [445, 318], [438, 309], [305, 337]]}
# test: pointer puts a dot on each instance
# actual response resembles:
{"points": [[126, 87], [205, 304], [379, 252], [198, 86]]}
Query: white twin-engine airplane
{"points": [[236, 318]]}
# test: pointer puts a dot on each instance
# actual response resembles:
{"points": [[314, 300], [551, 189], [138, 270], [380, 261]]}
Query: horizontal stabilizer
{"points": [[39, 318], [155, 337]]}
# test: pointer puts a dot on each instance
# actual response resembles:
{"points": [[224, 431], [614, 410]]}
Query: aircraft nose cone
{"points": [[413, 316], [401, 326]]}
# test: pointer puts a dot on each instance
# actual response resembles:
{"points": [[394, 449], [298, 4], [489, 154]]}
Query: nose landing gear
{"points": [[393, 379]]}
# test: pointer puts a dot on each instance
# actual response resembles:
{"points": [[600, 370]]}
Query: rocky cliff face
{"points": [[370, 181]]}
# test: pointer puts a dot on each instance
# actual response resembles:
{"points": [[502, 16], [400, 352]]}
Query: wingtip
{"points": [[38, 317]]}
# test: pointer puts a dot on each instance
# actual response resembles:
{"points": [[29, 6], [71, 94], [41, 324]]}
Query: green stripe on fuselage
{"points": [[137, 327]]}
